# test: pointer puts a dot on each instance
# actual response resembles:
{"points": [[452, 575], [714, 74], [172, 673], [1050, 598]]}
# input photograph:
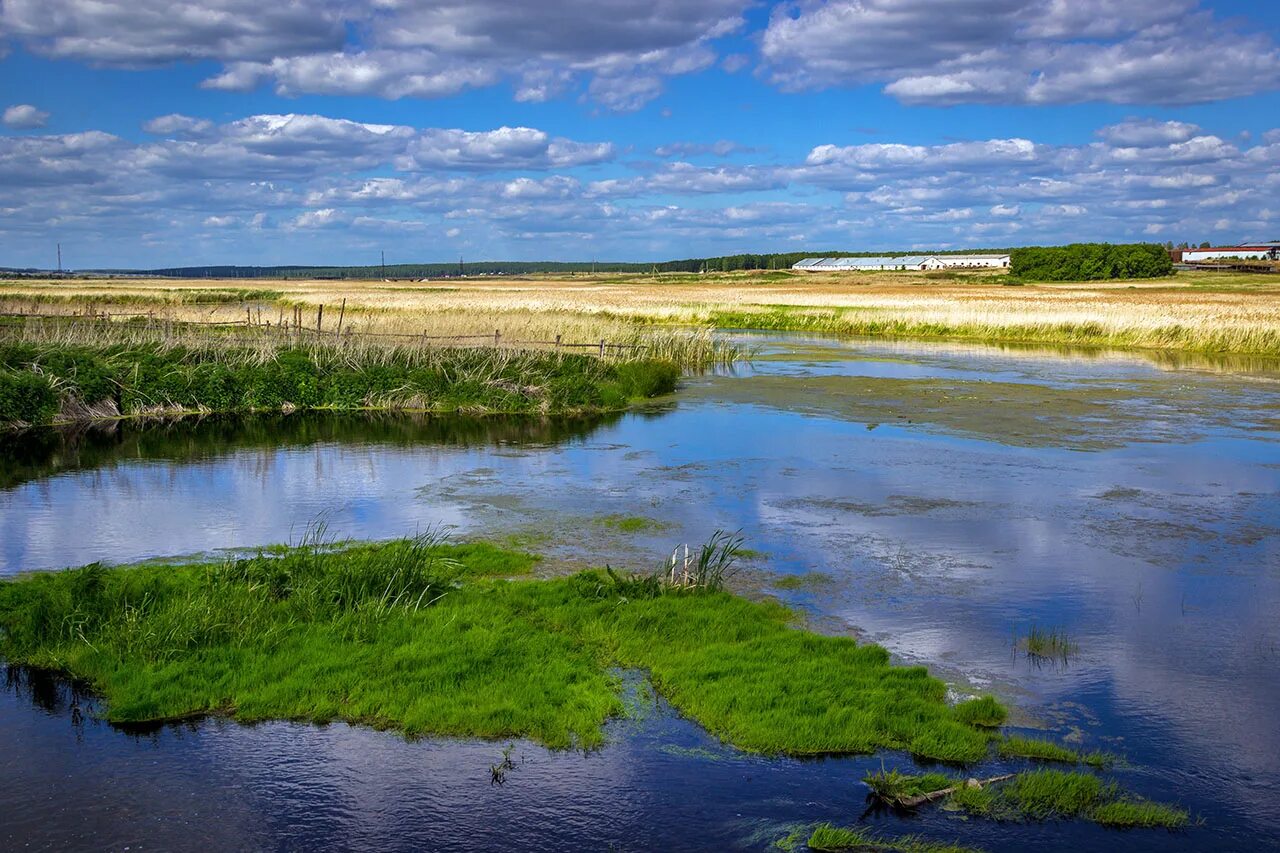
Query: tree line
{"points": [[1091, 262]]}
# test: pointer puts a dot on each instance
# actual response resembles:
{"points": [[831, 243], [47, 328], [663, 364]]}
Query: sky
{"points": [[151, 133]]}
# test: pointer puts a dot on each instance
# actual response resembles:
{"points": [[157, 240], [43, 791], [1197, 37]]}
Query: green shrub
{"points": [[27, 397]]}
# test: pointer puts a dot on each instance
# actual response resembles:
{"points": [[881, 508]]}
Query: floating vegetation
{"points": [[806, 581], [631, 523]]}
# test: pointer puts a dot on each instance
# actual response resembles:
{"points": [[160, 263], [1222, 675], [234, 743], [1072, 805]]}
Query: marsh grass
{"points": [[420, 636], [64, 378], [1048, 644]]}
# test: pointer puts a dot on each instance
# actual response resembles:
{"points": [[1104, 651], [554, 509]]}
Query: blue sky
{"points": [[143, 133]]}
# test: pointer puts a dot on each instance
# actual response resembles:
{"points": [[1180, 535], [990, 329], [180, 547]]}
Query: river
{"points": [[951, 497]]}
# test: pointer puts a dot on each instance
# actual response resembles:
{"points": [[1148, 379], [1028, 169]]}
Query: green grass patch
{"points": [[631, 523], [1051, 794], [40, 383], [1140, 814], [831, 838], [1043, 750], [982, 711], [419, 636]]}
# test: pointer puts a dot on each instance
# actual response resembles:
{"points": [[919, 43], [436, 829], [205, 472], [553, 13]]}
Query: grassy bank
{"points": [[54, 381], [1137, 333], [431, 638]]}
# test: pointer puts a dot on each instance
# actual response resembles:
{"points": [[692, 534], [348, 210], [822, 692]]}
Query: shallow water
{"points": [[953, 495]]}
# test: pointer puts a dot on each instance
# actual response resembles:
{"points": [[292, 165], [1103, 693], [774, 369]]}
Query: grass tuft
{"points": [[893, 786], [1048, 644]]}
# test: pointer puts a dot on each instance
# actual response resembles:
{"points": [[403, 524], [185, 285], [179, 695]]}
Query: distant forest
{"points": [[725, 263]]}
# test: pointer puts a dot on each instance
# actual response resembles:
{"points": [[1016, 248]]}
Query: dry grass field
{"points": [[1204, 312]]}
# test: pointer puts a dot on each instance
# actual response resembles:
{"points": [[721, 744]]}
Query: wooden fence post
{"points": [[557, 342], [602, 349], [497, 337], [319, 318], [342, 313]]}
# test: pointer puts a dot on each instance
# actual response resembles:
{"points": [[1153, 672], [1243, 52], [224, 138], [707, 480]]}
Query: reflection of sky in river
{"points": [[1161, 559]]}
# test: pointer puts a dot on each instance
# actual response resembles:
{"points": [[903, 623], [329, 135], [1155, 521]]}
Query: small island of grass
{"points": [[437, 639]]}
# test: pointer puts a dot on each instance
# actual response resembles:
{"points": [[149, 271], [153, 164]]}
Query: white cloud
{"points": [[1018, 51], [24, 117], [504, 148], [1143, 133], [393, 48], [333, 185]]}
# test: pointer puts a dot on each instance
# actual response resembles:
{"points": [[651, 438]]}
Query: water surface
{"points": [[953, 496]]}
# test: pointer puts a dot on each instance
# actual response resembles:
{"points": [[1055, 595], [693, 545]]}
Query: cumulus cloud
{"points": [[504, 148], [24, 117], [393, 48], [1018, 51], [334, 185], [720, 148]]}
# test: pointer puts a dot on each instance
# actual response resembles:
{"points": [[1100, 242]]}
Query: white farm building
{"points": [[903, 262], [1261, 251]]}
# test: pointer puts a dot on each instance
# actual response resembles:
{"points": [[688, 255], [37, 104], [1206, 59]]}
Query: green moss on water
{"points": [[418, 636], [631, 523], [40, 383], [806, 581]]}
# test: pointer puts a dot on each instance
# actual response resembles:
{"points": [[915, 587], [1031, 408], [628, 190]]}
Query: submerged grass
{"points": [[827, 837], [419, 636]]}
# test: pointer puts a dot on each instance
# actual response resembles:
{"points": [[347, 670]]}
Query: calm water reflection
{"points": [[955, 495]]}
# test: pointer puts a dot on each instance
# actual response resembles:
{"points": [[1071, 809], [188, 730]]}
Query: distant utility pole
{"points": [[59, 257], [460, 265], [384, 263]]}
